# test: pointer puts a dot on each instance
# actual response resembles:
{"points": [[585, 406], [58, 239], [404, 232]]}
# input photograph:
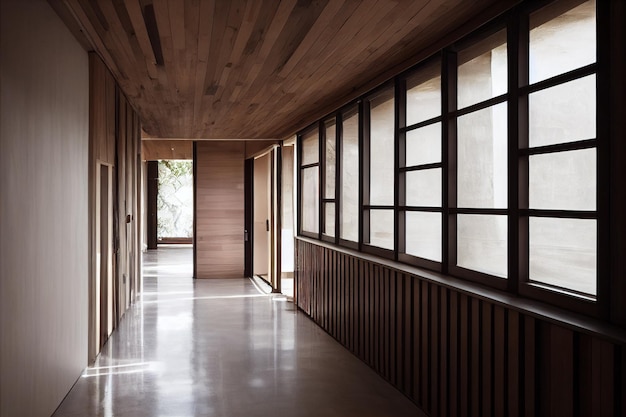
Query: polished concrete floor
{"points": [[223, 348]]}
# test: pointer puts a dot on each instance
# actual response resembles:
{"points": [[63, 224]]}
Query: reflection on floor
{"points": [[223, 348]]}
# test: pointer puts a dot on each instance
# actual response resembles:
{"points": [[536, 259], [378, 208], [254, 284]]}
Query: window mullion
{"points": [[449, 150], [399, 161], [514, 64], [521, 160]]}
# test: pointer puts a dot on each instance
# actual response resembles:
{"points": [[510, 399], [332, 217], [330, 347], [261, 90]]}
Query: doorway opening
{"points": [[262, 209], [269, 233], [287, 219], [174, 202]]}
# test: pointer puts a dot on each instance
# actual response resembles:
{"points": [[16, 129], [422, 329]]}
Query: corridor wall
{"points": [[44, 116]]}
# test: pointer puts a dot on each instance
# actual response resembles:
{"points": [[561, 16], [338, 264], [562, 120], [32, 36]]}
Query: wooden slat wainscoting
{"points": [[457, 351]]}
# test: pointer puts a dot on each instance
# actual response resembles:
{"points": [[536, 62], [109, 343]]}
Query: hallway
{"points": [[223, 348]]}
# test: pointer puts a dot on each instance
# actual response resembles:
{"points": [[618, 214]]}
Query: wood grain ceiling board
{"points": [[154, 150], [249, 69]]}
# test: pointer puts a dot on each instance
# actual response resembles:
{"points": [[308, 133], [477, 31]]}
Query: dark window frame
{"points": [[516, 24]]}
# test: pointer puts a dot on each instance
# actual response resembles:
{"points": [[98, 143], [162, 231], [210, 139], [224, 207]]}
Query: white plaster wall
{"points": [[44, 111]]}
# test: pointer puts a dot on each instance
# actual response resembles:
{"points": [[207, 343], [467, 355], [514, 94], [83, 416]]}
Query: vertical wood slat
{"points": [[384, 325], [344, 299], [464, 356], [434, 350], [453, 364], [487, 360], [416, 335], [557, 365], [356, 265], [367, 326], [499, 354], [529, 367], [475, 359], [361, 305], [399, 331], [407, 363], [512, 347], [452, 353], [391, 347], [424, 347], [444, 355], [602, 378]]}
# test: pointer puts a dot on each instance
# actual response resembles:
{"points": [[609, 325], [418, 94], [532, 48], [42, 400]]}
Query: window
{"points": [[349, 195], [330, 175], [482, 162], [309, 186], [379, 198], [421, 167], [481, 157], [560, 148]]}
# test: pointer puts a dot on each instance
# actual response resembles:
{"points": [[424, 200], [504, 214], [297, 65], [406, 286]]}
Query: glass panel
{"points": [[349, 202], [175, 199], [423, 188], [310, 200], [482, 243], [423, 235], [482, 158], [564, 113], [310, 147], [423, 95], [331, 163], [563, 181], [382, 150], [423, 145], [563, 253], [482, 71], [563, 43], [381, 228], [329, 221]]}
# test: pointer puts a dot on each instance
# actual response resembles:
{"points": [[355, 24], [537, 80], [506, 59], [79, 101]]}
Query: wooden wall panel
{"points": [[114, 135], [101, 111], [453, 353], [219, 193]]}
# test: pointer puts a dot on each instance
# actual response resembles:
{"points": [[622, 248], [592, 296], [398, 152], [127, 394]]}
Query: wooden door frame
{"points": [[248, 217]]}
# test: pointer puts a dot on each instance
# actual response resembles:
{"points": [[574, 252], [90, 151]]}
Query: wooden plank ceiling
{"points": [[250, 69]]}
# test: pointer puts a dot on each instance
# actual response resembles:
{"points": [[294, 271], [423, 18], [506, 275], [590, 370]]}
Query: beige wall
{"points": [[43, 209]]}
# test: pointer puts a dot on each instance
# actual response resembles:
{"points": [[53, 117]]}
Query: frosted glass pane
{"points": [[423, 235], [563, 181], [564, 43], [482, 243], [564, 113], [482, 158], [423, 95], [382, 151], [482, 71], [349, 202], [329, 221], [310, 200], [381, 228], [563, 253], [423, 188], [331, 162], [423, 145], [310, 148]]}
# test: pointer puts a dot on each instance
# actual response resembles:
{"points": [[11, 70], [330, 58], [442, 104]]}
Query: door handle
{"points": [[246, 236]]}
